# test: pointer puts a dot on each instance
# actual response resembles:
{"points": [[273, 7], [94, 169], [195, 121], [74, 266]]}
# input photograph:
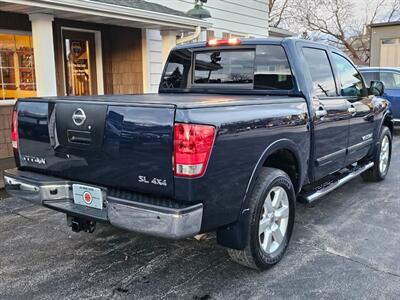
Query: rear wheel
{"points": [[272, 209], [381, 158]]}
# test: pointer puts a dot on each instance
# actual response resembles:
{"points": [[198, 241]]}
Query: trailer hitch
{"points": [[79, 224]]}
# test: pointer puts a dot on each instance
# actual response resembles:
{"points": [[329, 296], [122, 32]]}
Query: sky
{"points": [[360, 8]]}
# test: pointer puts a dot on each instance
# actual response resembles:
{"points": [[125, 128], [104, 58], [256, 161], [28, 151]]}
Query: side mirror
{"points": [[377, 88]]}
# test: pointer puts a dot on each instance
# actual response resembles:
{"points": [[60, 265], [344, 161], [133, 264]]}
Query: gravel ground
{"points": [[345, 246]]}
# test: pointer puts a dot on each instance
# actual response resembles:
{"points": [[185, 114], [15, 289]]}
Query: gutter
{"points": [[189, 38], [116, 12]]}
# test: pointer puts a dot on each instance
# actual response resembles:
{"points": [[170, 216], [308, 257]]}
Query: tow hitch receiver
{"points": [[79, 224]]}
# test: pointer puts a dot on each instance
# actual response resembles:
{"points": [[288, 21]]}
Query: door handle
{"points": [[352, 110], [320, 113]]}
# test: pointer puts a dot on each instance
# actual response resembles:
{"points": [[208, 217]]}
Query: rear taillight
{"points": [[192, 148], [14, 130]]}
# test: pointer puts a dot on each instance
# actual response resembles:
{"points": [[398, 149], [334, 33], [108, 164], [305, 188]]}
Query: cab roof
{"points": [[260, 41]]}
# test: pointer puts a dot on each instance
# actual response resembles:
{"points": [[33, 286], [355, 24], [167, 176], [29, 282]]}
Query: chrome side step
{"points": [[316, 194]]}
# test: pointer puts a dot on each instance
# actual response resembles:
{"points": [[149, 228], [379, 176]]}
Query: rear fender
{"points": [[235, 235]]}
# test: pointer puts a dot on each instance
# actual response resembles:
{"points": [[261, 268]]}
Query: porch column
{"points": [[43, 47], [168, 41]]}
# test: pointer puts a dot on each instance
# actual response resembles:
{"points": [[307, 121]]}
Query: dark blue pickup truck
{"points": [[238, 131]]}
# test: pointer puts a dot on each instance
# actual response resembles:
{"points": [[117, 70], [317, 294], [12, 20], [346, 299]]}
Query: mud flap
{"points": [[235, 236]]}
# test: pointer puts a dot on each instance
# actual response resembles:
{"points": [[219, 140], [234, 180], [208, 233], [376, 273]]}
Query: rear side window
{"points": [[320, 71], [177, 70], [272, 70], [224, 67], [350, 79]]}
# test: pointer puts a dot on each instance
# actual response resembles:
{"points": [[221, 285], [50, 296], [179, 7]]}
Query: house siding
{"points": [[12, 21], [248, 18], [5, 131], [125, 58]]}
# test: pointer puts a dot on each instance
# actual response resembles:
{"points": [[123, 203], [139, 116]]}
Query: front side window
{"points": [[224, 67], [391, 80], [320, 71], [350, 79], [17, 74]]}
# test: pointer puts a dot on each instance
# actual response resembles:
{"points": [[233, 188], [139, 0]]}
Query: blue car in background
{"points": [[391, 78]]}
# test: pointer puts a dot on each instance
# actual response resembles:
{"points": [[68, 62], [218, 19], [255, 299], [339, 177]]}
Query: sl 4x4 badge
{"points": [[155, 181]]}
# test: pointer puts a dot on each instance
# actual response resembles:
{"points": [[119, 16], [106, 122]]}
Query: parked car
{"points": [[237, 132], [391, 79]]}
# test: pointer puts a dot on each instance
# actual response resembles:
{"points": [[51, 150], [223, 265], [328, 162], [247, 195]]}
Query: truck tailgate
{"points": [[126, 146]]}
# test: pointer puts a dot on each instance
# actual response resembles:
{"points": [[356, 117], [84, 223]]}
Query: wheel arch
{"points": [[388, 121], [235, 236], [274, 156]]}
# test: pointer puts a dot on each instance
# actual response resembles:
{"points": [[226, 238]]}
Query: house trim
{"points": [[99, 56], [117, 12]]}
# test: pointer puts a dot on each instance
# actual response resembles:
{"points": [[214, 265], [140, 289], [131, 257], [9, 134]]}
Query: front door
{"points": [[80, 63], [331, 122], [361, 129]]}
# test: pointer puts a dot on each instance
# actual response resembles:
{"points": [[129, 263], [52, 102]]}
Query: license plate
{"points": [[87, 196]]}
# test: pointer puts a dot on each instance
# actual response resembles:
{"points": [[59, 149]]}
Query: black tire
{"points": [[253, 256], [375, 174]]}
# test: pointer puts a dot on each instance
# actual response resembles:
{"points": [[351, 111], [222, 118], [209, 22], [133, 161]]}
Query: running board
{"points": [[313, 195]]}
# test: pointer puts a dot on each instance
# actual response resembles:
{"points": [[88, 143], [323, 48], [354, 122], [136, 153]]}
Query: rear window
{"points": [[264, 67], [224, 67]]}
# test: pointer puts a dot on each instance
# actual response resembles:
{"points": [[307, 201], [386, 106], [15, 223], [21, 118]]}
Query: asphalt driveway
{"points": [[346, 245]]}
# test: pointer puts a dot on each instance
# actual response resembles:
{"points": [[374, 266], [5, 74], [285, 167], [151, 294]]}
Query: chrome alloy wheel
{"points": [[384, 155], [274, 220]]}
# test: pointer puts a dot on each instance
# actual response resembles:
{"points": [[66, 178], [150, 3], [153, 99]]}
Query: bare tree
{"points": [[394, 13], [336, 22], [279, 11]]}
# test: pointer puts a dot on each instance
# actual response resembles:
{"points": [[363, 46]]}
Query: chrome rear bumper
{"points": [[169, 221]]}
